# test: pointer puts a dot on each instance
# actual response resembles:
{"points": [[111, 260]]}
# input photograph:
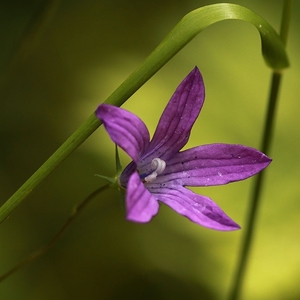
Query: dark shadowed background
{"points": [[85, 51]]}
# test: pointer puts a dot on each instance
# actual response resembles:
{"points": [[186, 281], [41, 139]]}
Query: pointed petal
{"points": [[141, 205], [213, 164], [197, 208], [175, 124], [125, 129]]}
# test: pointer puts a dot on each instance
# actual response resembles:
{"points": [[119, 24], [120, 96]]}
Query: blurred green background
{"points": [[86, 50]]}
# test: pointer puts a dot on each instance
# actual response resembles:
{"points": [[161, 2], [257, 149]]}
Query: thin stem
{"points": [[285, 23], [259, 180], [255, 197], [54, 240]]}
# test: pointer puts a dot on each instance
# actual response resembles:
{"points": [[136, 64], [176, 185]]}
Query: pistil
{"points": [[158, 166]]}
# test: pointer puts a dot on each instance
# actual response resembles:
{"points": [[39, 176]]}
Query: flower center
{"points": [[158, 166]]}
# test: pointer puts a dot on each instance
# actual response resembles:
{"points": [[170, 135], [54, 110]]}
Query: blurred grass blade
{"points": [[189, 27], [192, 24]]}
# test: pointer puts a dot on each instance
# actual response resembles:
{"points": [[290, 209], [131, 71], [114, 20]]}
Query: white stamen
{"points": [[158, 166]]}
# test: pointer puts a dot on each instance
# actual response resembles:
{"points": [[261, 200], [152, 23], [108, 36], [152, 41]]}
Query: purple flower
{"points": [[160, 172]]}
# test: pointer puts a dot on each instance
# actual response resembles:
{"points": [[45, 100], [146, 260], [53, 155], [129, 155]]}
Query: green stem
{"points": [[191, 25], [259, 179], [55, 239]]}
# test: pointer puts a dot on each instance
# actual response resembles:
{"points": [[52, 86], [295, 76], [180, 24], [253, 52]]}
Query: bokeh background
{"points": [[47, 90]]}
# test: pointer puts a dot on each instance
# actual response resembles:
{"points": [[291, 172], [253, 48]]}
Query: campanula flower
{"points": [[160, 172]]}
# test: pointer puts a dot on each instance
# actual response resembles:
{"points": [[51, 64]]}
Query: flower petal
{"points": [[197, 208], [175, 124], [141, 205], [125, 129], [213, 164]]}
